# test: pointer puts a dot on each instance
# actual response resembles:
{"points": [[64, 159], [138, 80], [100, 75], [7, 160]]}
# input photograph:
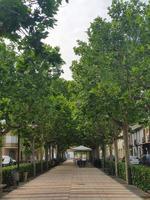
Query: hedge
{"points": [[121, 170], [140, 175], [8, 172], [110, 167], [97, 163]]}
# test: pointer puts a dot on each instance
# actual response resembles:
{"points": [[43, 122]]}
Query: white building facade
{"points": [[136, 140]]}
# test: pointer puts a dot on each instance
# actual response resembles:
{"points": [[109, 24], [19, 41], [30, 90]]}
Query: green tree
{"points": [[26, 76], [27, 20], [110, 65]]}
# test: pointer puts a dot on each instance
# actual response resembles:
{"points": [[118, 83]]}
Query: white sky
{"points": [[73, 21]]}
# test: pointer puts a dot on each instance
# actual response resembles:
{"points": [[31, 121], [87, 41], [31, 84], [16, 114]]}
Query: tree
{"points": [[28, 20], [27, 75], [108, 63], [25, 84], [7, 76], [63, 127]]}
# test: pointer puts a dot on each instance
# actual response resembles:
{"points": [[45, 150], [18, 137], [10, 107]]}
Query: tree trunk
{"points": [[58, 157], [110, 152], [33, 158], [46, 156], [41, 159], [18, 161], [116, 156], [50, 152], [126, 151], [1, 164], [96, 153], [103, 156], [63, 155]]}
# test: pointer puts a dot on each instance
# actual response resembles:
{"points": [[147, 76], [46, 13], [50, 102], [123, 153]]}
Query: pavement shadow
{"points": [[131, 188]]}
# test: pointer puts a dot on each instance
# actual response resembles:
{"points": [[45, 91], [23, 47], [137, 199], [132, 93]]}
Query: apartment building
{"points": [[139, 142], [136, 140], [10, 148], [120, 142], [146, 141]]}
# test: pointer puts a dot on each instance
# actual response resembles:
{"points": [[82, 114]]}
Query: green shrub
{"points": [[110, 167], [121, 170], [7, 175], [141, 176], [97, 163], [8, 172]]}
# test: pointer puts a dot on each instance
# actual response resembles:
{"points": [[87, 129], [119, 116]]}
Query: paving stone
{"points": [[68, 182]]}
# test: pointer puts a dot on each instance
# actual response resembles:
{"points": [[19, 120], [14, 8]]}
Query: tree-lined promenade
{"points": [[110, 90], [68, 182]]}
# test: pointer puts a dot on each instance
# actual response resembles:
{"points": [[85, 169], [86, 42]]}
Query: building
{"points": [[139, 142], [10, 145], [136, 140], [146, 141], [120, 142]]}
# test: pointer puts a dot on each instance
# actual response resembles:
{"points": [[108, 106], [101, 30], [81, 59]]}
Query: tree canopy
{"points": [[113, 69]]}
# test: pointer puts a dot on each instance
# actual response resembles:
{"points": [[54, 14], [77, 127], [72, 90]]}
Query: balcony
{"points": [[130, 146], [10, 141], [143, 140], [10, 145], [148, 138], [135, 143]]}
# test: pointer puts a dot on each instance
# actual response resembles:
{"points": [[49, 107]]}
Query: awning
{"points": [[81, 148]]}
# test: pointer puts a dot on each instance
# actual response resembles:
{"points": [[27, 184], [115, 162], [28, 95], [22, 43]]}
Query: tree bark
{"points": [[58, 157], [110, 152], [18, 161], [63, 155], [96, 153], [103, 156], [41, 158], [116, 156], [50, 152], [126, 151], [33, 157], [46, 156]]}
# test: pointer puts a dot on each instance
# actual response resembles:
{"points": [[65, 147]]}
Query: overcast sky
{"points": [[73, 21]]}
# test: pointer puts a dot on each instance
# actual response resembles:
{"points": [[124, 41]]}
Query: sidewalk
{"points": [[68, 182]]}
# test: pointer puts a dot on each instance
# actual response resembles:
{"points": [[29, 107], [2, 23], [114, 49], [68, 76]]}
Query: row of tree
{"points": [[34, 100], [111, 87], [113, 75]]}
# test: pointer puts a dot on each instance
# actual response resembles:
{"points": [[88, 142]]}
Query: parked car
{"points": [[7, 160], [145, 159], [134, 160]]}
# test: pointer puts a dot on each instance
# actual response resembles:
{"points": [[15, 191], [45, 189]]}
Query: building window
{"points": [[11, 139]]}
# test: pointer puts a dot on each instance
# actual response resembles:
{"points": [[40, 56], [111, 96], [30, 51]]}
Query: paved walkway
{"points": [[68, 182]]}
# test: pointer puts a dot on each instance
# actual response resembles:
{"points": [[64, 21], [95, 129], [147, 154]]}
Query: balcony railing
{"points": [[148, 138], [9, 145], [135, 143], [143, 140]]}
